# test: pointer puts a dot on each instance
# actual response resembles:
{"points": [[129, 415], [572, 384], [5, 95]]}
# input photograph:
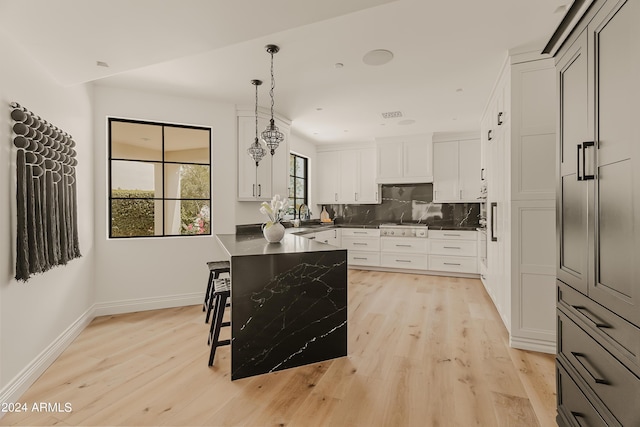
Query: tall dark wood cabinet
{"points": [[598, 213]]}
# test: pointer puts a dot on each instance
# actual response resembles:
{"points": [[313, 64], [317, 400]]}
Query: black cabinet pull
{"points": [[586, 145], [577, 417], [583, 159], [500, 118], [584, 361], [489, 135], [591, 317], [494, 221]]}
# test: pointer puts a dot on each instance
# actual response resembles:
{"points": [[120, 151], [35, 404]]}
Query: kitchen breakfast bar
{"points": [[288, 302]]}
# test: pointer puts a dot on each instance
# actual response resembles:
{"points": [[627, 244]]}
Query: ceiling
{"points": [[447, 54]]}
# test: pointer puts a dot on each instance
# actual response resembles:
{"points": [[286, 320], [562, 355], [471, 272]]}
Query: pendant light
{"points": [[271, 135], [256, 150]]}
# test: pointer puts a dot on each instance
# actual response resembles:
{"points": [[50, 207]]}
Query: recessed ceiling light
{"points": [[377, 57], [406, 122], [102, 64], [459, 89], [319, 109], [339, 65]]}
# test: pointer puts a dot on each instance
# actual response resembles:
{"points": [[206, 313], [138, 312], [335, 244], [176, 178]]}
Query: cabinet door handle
{"points": [[577, 417], [360, 244], [494, 221], [586, 145], [584, 362], [403, 260], [254, 190], [336, 196], [490, 135], [500, 118], [359, 232], [591, 317], [451, 263], [356, 196], [259, 190], [359, 257], [452, 247], [460, 197], [451, 234], [403, 246], [482, 174]]}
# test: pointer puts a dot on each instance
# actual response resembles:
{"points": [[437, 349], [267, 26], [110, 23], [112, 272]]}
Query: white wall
{"points": [[147, 273], [33, 315]]}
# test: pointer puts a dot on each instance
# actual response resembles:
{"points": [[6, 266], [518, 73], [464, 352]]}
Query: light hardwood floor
{"points": [[423, 351]]}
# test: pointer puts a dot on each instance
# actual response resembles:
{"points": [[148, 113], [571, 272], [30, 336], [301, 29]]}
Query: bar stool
{"points": [[221, 293], [215, 269]]}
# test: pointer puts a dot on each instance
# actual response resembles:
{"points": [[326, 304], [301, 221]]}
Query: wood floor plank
{"points": [[423, 350]]}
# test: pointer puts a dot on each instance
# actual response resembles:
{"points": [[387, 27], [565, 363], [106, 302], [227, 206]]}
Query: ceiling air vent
{"points": [[392, 115]]}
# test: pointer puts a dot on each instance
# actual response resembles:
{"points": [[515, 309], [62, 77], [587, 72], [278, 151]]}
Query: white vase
{"points": [[273, 234]]}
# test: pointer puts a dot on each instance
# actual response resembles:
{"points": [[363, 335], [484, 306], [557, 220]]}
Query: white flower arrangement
{"points": [[275, 210]]}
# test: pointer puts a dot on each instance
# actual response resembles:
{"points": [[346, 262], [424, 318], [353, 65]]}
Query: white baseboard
{"points": [[542, 346], [21, 383], [144, 304]]}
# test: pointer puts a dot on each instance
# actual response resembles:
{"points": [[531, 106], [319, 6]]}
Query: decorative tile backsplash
{"points": [[409, 203]]}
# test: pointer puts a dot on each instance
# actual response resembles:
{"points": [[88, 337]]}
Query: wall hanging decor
{"points": [[47, 220]]}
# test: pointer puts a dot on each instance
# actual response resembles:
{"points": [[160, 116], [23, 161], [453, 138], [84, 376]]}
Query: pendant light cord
{"points": [[273, 85], [256, 112]]}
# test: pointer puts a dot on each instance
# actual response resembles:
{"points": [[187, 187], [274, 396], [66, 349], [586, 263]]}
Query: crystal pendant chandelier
{"points": [[256, 150], [272, 135]]}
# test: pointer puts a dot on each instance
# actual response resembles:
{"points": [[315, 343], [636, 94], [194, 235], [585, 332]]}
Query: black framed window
{"points": [[298, 182], [159, 179]]}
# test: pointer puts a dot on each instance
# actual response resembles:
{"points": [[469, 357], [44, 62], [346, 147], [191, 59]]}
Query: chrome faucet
{"points": [[401, 215], [305, 210]]}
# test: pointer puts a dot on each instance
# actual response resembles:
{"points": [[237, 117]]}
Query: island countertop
{"points": [[255, 244]]}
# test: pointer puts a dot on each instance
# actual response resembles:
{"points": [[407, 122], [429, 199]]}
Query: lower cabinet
{"points": [[363, 246], [453, 251], [404, 252], [599, 354]]}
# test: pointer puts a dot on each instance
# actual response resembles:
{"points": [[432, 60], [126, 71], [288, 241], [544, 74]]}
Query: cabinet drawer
{"points": [[609, 379], [573, 405], [404, 245], [613, 332], [396, 260], [453, 234], [454, 247], [453, 263], [363, 258], [361, 243], [361, 232]]}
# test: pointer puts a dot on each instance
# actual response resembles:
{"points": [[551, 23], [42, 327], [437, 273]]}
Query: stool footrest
{"points": [[226, 324], [223, 342]]}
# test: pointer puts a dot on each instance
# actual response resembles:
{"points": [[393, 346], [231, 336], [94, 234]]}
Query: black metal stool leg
{"points": [[221, 300]]}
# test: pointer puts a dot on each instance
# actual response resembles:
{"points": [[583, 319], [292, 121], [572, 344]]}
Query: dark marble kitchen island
{"points": [[288, 300]]}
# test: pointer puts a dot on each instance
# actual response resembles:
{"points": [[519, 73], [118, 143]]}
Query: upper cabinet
{"points": [[347, 175], [456, 168], [406, 160], [271, 176]]}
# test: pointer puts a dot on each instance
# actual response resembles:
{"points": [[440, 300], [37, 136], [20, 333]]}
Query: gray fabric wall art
{"points": [[47, 220]]}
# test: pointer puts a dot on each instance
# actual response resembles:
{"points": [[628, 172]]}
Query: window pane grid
{"points": [[298, 190], [177, 180]]}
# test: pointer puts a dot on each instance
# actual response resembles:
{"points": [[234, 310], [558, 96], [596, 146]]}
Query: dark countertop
{"points": [[255, 244]]}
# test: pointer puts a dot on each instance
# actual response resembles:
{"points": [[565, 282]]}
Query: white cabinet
{"points": [[347, 176], [363, 245], [405, 160], [404, 252], [453, 251], [271, 176], [518, 143], [456, 168]]}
